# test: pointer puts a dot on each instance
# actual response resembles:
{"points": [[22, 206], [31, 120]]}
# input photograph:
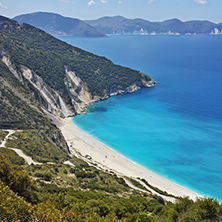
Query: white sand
{"points": [[107, 158]]}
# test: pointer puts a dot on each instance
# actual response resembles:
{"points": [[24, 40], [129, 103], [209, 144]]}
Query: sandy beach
{"points": [[106, 158]]}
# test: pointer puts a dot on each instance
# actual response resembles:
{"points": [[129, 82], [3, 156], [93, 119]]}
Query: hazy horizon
{"points": [[151, 10], [117, 16]]}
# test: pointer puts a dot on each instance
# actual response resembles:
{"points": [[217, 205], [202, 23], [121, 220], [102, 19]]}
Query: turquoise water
{"points": [[174, 128]]}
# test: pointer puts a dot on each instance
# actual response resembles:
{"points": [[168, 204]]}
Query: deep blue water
{"points": [[175, 128]]}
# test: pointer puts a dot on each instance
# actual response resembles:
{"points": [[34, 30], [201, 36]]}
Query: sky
{"points": [[152, 10]]}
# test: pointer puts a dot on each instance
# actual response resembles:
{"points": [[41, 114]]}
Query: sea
{"points": [[174, 128]]}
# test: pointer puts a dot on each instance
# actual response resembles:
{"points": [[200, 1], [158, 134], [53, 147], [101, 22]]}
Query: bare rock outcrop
{"points": [[78, 91], [54, 102], [81, 97]]}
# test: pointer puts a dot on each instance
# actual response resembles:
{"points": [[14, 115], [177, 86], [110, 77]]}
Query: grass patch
{"points": [[80, 177]]}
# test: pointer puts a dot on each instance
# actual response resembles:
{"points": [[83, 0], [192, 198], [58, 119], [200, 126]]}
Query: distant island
{"points": [[119, 25], [58, 25]]}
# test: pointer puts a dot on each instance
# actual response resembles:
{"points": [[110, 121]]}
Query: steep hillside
{"points": [[58, 25], [123, 26], [66, 78]]}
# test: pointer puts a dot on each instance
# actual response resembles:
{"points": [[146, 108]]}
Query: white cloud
{"points": [[120, 2], [64, 1], [91, 2], [200, 2], [103, 1], [150, 2]]}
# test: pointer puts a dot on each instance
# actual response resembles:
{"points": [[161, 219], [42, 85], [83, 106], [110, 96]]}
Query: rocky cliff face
{"points": [[78, 91], [81, 97], [54, 103], [132, 88]]}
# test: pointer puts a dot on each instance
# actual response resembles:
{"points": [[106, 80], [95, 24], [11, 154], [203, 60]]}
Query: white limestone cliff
{"points": [[55, 103], [78, 91]]}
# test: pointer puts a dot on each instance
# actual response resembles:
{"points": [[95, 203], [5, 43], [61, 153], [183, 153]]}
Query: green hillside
{"points": [[47, 56]]}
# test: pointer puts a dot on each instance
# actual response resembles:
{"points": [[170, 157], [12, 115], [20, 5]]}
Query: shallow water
{"points": [[175, 128]]}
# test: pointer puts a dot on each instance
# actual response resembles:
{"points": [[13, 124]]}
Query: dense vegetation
{"points": [[11, 156], [22, 199], [3, 134]]}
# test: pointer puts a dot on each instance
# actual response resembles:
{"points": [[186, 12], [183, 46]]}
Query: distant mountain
{"points": [[58, 25], [123, 26]]}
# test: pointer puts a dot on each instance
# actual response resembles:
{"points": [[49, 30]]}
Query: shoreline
{"points": [[83, 145]]}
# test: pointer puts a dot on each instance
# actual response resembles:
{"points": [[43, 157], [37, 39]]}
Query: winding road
{"points": [[27, 159]]}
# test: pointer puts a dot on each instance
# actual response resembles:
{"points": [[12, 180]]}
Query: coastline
{"points": [[83, 145]]}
